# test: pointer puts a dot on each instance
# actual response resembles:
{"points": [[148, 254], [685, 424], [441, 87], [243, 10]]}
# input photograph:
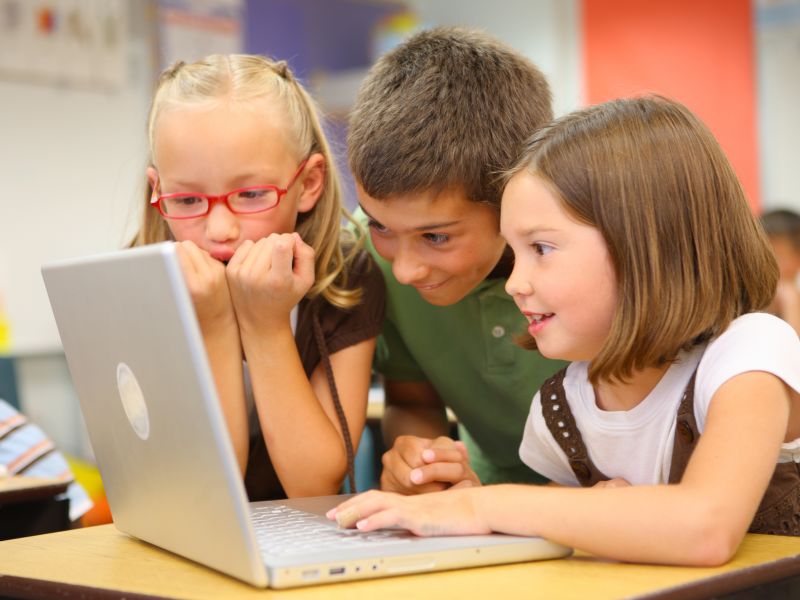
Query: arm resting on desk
{"points": [[700, 521]]}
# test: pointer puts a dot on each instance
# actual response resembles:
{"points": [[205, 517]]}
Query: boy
{"points": [[435, 121], [783, 230]]}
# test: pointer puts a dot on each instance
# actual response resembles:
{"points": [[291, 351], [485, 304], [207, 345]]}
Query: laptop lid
{"points": [[136, 356]]}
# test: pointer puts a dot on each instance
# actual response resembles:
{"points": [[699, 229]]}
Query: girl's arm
{"points": [[298, 419], [700, 521], [205, 278], [297, 416]]}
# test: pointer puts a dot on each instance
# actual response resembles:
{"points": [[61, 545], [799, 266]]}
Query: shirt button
{"points": [[498, 331]]}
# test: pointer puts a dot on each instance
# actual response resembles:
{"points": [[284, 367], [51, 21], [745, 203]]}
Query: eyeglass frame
{"points": [[155, 201]]}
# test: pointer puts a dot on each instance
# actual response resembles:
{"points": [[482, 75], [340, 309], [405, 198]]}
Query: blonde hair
{"points": [[688, 253], [248, 77]]}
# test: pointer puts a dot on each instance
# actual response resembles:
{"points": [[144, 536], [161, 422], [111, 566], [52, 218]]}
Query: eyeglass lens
{"points": [[245, 201]]}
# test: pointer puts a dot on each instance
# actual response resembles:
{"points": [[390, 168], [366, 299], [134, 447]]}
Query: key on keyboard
{"points": [[283, 531]]}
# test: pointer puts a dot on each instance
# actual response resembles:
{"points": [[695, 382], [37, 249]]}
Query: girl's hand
{"points": [[205, 278], [452, 512], [268, 278], [617, 482]]}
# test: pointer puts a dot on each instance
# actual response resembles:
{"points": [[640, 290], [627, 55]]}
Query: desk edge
{"points": [[729, 582]]}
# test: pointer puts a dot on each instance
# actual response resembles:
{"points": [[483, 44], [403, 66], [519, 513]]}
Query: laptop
{"points": [[136, 356]]}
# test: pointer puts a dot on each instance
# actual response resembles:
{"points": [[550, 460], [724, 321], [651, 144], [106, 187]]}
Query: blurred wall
{"points": [[778, 86], [699, 53], [546, 31]]}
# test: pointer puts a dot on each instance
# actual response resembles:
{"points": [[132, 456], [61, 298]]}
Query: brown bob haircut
{"points": [[448, 109], [688, 254]]}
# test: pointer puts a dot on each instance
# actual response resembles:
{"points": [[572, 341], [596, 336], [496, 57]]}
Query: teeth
{"points": [[537, 318]]}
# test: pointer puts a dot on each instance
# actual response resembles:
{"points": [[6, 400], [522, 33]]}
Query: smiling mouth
{"points": [[431, 286], [539, 317]]}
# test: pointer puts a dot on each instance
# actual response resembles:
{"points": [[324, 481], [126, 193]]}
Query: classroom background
{"points": [[76, 79]]}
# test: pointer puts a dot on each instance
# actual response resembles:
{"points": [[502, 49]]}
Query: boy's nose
{"points": [[407, 269]]}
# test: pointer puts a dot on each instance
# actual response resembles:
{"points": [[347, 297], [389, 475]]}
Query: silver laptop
{"points": [[137, 359]]}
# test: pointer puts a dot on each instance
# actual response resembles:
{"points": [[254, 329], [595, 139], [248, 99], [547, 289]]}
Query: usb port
{"points": [[336, 571]]}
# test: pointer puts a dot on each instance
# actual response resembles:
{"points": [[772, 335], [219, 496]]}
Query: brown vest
{"points": [[779, 511]]}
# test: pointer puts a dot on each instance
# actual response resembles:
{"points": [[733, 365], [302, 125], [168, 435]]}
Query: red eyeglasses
{"points": [[242, 201]]}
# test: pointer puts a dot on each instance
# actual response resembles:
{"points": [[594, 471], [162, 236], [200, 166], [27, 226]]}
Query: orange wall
{"points": [[700, 52]]}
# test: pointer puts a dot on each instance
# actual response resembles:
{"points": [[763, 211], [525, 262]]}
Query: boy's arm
{"points": [[412, 408], [421, 457]]}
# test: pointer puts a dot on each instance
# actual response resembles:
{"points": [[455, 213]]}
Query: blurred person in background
{"points": [[783, 228]]}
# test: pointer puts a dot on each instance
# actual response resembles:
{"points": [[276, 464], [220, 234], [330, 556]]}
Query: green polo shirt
{"points": [[467, 352]]}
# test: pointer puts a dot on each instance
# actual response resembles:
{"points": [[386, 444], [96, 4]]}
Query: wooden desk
{"points": [[104, 563]]}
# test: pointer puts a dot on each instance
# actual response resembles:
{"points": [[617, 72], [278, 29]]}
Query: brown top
{"points": [[322, 330], [779, 512]]}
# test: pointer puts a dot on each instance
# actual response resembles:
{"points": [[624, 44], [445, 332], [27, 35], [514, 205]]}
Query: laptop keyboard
{"points": [[284, 531]]}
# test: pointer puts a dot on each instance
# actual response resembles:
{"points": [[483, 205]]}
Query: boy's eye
{"points": [[436, 238], [376, 226]]}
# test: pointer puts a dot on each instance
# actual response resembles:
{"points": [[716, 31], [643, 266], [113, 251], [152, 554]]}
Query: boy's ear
{"points": [[312, 181]]}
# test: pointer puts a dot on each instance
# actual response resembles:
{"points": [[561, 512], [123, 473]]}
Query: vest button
{"points": [[685, 432]]}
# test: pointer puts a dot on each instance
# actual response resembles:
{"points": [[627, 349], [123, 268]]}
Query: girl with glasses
{"points": [[242, 178]]}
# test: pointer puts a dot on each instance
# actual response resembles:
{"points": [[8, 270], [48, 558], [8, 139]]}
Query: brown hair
{"points": [[689, 255], [247, 77], [449, 108]]}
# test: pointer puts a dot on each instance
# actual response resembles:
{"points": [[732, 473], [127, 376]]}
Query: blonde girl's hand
{"points": [[452, 512], [208, 286], [267, 278]]}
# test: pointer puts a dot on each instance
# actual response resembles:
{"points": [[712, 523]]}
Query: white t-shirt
{"points": [[636, 444]]}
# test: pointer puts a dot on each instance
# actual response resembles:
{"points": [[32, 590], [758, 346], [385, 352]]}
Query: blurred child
{"points": [[783, 230], [25, 450], [637, 257], [243, 179]]}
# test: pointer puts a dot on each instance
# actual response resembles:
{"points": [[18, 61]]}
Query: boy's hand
{"points": [[205, 278], [416, 465], [453, 512], [268, 278]]}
